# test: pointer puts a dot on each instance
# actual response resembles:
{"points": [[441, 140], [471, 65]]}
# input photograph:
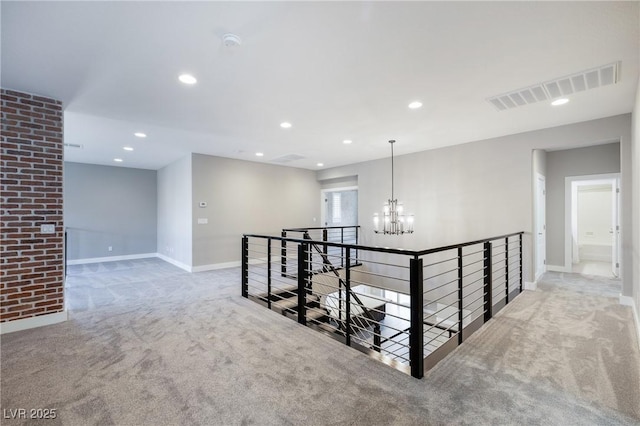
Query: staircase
{"points": [[284, 300]]}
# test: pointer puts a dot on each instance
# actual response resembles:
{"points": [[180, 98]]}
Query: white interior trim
{"points": [[557, 268], [323, 195], [537, 226], [111, 258], [174, 262], [628, 301], [234, 264], [33, 322], [214, 266], [531, 286]]}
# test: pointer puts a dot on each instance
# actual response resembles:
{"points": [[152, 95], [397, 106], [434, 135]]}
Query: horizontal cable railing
{"points": [[404, 307]]}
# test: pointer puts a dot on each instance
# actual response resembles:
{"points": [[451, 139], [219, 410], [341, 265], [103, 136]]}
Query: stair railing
{"points": [[345, 285], [426, 302]]}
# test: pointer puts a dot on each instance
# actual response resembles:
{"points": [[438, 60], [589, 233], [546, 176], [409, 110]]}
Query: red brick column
{"points": [[31, 159]]}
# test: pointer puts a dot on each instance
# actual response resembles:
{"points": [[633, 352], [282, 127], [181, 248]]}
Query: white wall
{"points": [[595, 215], [246, 197], [174, 213], [472, 191]]}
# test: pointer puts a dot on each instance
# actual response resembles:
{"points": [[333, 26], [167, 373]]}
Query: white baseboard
{"points": [[167, 259], [215, 266], [174, 262], [557, 268], [532, 286], [111, 258], [234, 264], [628, 301], [33, 322]]}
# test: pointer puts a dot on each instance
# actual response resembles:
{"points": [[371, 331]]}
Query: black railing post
{"points": [[325, 237], [342, 253], [245, 267], [506, 268], [283, 255], [460, 295], [357, 252], [269, 273], [520, 235], [488, 283], [347, 279], [303, 268], [416, 338]]}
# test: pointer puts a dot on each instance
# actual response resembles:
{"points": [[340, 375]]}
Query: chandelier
{"points": [[394, 221]]}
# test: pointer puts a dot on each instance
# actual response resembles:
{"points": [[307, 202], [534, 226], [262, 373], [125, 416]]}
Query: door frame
{"points": [[570, 194], [540, 208], [323, 196]]}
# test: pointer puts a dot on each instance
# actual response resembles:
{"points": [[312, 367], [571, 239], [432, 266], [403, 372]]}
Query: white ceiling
{"points": [[335, 70]]}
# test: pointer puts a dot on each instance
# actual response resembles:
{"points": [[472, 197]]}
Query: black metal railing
{"points": [[407, 308], [329, 234]]}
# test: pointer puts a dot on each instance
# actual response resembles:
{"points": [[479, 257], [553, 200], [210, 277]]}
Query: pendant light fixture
{"points": [[394, 221]]}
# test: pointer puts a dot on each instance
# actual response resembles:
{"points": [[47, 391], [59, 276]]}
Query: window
{"points": [[336, 209]]}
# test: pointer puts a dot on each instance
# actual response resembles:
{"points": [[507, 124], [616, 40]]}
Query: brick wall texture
{"points": [[31, 159]]}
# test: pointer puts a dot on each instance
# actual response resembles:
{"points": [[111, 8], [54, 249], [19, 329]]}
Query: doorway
{"points": [[340, 207], [593, 235]]}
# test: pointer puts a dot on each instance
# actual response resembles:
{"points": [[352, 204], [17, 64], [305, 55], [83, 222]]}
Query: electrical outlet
{"points": [[110, 248], [47, 228]]}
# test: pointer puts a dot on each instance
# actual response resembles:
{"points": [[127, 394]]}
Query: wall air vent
{"points": [[287, 158], [73, 145], [563, 86]]}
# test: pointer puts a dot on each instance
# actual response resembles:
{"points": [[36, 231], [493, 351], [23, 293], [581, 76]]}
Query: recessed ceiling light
{"points": [[128, 148], [140, 135], [285, 125], [347, 141], [415, 104], [320, 164], [560, 101], [259, 154], [187, 79], [118, 160]]}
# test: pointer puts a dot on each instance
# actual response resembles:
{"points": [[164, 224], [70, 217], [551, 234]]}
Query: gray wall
{"points": [[246, 197], [540, 161], [593, 160], [109, 206], [475, 190], [174, 212]]}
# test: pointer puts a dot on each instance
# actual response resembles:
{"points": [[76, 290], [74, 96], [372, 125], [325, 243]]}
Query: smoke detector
{"points": [[231, 40]]}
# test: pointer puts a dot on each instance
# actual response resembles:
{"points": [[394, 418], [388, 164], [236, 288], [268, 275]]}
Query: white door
{"points": [[615, 228], [540, 227]]}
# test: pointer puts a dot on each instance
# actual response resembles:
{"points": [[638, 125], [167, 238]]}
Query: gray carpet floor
{"points": [[148, 344]]}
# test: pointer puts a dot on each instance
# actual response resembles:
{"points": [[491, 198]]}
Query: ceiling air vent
{"points": [[287, 158], [563, 86]]}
